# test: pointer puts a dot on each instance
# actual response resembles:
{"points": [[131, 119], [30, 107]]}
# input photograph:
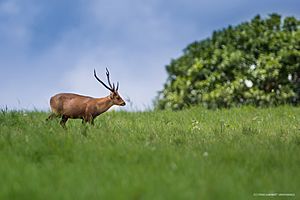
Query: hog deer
{"points": [[75, 106]]}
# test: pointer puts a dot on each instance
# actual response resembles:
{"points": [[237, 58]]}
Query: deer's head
{"points": [[114, 95]]}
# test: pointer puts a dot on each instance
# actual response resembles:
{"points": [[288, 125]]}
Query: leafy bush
{"points": [[256, 62]]}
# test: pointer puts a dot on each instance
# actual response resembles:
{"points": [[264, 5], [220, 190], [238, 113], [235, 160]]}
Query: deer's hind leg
{"points": [[63, 120]]}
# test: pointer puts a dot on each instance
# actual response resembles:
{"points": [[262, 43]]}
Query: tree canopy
{"points": [[253, 63]]}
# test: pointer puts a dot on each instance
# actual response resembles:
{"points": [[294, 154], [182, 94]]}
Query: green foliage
{"points": [[191, 154], [254, 63]]}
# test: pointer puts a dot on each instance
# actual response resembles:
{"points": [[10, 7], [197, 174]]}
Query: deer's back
{"points": [[72, 105]]}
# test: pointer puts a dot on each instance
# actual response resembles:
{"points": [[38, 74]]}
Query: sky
{"points": [[48, 47]]}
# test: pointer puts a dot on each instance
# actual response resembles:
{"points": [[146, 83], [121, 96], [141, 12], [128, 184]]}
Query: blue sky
{"points": [[47, 47]]}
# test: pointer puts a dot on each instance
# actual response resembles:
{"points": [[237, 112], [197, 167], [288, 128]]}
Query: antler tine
{"points": [[107, 74], [110, 89], [117, 86]]}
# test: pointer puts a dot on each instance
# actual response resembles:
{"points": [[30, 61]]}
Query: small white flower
{"points": [[252, 67], [205, 154], [290, 77], [248, 83]]}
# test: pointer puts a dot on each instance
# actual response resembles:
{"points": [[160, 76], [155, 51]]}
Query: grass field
{"points": [[191, 154]]}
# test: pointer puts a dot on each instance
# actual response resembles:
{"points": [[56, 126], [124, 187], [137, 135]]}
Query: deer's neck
{"points": [[103, 104]]}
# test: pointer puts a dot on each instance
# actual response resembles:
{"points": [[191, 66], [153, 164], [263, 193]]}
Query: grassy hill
{"points": [[191, 154]]}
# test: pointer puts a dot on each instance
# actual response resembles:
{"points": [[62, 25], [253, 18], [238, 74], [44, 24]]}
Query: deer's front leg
{"points": [[87, 118], [90, 114], [92, 121]]}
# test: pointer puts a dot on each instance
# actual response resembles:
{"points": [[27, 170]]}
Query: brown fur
{"points": [[75, 106]]}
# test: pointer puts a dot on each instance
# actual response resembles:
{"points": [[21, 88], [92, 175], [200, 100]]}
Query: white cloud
{"points": [[134, 39], [138, 81], [136, 55]]}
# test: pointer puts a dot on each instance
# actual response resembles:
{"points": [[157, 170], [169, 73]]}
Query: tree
{"points": [[256, 63]]}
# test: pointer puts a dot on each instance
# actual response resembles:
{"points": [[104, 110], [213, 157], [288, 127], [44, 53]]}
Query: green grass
{"points": [[191, 154]]}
